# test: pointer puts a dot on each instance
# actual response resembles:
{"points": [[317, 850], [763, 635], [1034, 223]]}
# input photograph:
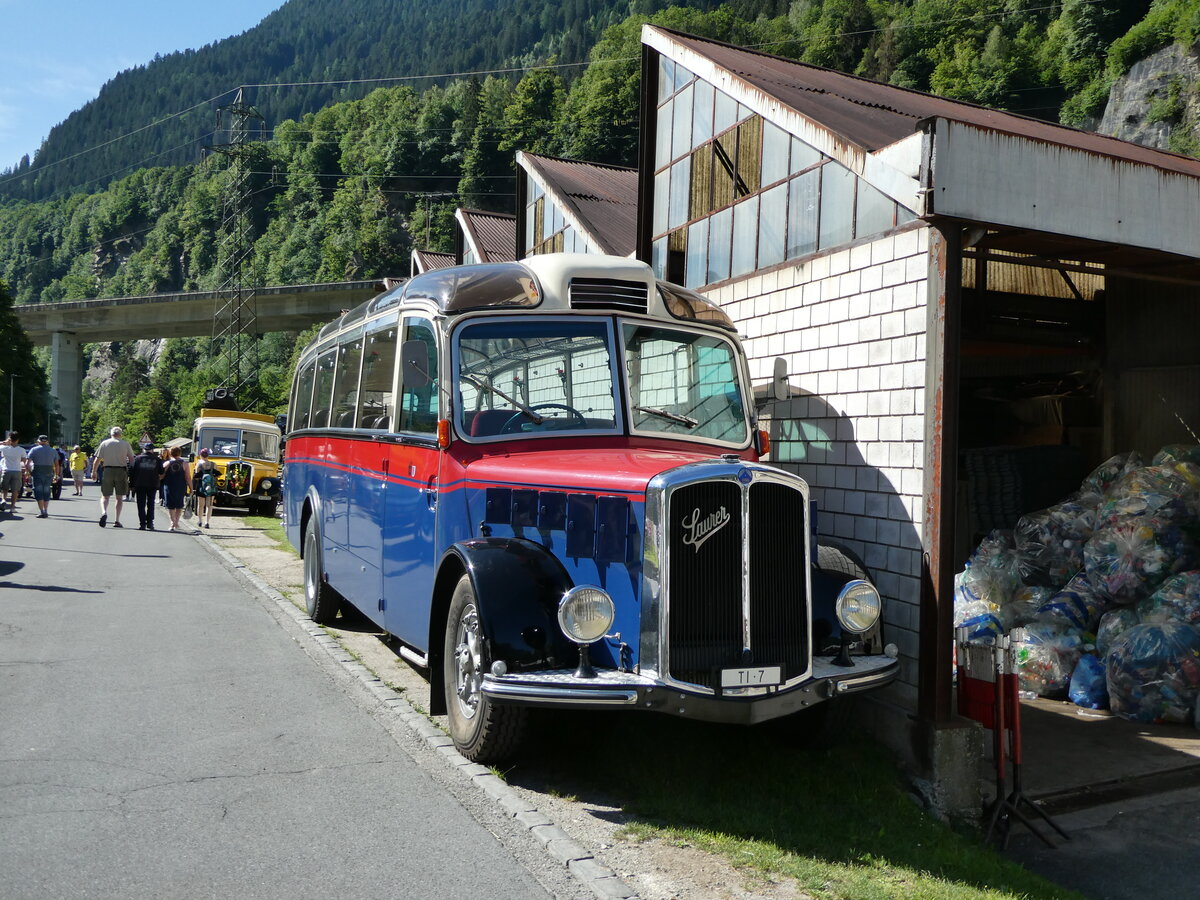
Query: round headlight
{"points": [[585, 614], [266, 484], [858, 606]]}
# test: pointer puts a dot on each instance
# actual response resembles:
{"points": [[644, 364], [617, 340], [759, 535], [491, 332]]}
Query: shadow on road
{"points": [[46, 587]]}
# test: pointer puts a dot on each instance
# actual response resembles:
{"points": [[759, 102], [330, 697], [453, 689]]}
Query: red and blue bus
{"points": [[542, 479]]}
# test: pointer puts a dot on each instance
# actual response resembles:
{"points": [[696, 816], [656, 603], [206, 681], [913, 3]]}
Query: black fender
{"points": [[518, 586], [834, 567]]}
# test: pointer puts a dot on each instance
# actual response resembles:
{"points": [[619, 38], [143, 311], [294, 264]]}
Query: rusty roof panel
{"points": [[873, 115], [493, 234], [602, 198], [428, 260]]}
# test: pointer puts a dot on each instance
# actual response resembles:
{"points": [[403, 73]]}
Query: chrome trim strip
{"points": [[550, 694]]}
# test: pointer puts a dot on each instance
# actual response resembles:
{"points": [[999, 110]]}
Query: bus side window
{"points": [[419, 405], [302, 403], [345, 391], [378, 372], [323, 390]]}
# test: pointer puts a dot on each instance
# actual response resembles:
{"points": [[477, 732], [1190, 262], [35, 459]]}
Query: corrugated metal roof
{"points": [[872, 115], [602, 198], [494, 235], [428, 260]]}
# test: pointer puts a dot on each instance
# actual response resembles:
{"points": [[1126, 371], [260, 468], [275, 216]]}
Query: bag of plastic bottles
{"points": [[1098, 481], [1089, 688], [1024, 605], [1078, 605], [1176, 600], [1050, 542], [1113, 623], [1177, 453], [1046, 657], [988, 583], [1166, 493], [1154, 673], [1126, 561]]}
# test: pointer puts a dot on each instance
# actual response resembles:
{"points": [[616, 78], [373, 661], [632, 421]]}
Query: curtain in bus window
{"points": [[419, 405], [378, 373]]}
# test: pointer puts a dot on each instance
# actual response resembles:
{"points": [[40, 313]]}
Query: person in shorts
{"points": [[115, 455], [47, 469], [13, 462], [78, 464]]}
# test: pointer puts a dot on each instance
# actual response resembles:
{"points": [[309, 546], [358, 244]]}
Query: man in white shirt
{"points": [[115, 455], [13, 462]]}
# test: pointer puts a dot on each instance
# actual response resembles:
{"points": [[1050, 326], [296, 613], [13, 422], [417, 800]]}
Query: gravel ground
{"points": [[656, 869]]}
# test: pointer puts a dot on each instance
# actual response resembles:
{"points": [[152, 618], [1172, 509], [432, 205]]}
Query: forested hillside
{"points": [[346, 192], [320, 52]]}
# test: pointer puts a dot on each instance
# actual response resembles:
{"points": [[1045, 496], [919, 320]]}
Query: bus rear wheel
{"points": [[320, 600], [483, 731]]}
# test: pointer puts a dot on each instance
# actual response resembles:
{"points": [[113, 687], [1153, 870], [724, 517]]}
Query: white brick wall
{"points": [[852, 327]]}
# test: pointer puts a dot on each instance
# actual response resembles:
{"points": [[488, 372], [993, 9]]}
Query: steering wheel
{"points": [[511, 425]]}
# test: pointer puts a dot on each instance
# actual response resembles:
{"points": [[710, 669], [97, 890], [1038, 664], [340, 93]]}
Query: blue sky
{"points": [[56, 54]]}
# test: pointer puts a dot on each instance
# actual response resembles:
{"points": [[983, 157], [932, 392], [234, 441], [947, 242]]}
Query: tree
{"points": [[23, 379]]}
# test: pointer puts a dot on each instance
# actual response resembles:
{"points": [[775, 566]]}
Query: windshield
{"points": [[683, 383], [234, 442], [520, 377]]}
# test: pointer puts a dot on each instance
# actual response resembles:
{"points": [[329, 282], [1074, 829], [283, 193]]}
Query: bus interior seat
{"points": [[320, 418], [346, 419], [489, 421]]}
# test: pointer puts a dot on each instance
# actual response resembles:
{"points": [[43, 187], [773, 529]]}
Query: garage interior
{"points": [[1071, 351]]}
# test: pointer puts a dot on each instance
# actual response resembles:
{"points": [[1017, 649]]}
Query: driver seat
{"points": [[489, 421]]}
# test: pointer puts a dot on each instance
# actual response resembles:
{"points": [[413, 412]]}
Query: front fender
{"points": [[518, 586]]}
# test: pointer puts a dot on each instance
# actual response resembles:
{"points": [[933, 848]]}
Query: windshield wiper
{"points": [[669, 416], [492, 389]]}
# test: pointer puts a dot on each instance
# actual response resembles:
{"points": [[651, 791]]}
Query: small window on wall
{"points": [[745, 235], [697, 257], [774, 153], [658, 257], [772, 219], [677, 209], [345, 391], [662, 131], [539, 221], [873, 211], [720, 236], [681, 130], [666, 77], [803, 197], [702, 112], [418, 413], [837, 205], [378, 377], [677, 256]]}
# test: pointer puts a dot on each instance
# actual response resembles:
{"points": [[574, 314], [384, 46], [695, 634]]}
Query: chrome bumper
{"points": [[627, 690]]}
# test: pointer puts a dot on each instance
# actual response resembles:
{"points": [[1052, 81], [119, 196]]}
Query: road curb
{"points": [[558, 846]]}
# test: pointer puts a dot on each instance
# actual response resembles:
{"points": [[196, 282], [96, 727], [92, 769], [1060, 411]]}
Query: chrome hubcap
{"points": [[468, 662]]}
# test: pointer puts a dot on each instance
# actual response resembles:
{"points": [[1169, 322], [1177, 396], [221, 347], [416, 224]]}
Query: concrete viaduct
{"points": [[66, 327]]}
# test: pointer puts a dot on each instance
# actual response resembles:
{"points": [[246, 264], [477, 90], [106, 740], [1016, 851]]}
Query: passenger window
{"points": [[345, 393], [419, 405], [302, 404], [323, 390], [378, 374]]}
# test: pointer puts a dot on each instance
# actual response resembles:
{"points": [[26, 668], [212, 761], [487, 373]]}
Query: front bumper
{"points": [[627, 690]]}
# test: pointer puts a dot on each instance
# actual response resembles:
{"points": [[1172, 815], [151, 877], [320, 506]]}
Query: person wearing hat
{"points": [[47, 469], [115, 455], [78, 463], [13, 462], [147, 470]]}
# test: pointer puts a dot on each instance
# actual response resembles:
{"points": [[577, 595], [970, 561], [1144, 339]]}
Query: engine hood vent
{"points": [[608, 293]]}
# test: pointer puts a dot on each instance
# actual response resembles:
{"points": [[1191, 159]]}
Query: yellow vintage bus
{"points": [[245, 448]]}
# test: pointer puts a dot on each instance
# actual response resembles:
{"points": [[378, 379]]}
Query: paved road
{"points": [[163, 735]]}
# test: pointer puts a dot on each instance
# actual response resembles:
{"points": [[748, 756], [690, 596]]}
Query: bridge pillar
{"points": [[66, 384]]}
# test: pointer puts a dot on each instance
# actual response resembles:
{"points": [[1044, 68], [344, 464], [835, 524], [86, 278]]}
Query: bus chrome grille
{"points": [[716, 617]]}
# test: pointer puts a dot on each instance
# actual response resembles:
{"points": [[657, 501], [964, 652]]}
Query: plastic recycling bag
{"points": [[1077, 605], [1154, 673], [1166, 493], [1024, 605], [1046, 657], [1127, 560], [1097, 483], [1176, 600], [1177, 453], [1112, 624], [988, 583], [1050, 542], [1089, 688]]}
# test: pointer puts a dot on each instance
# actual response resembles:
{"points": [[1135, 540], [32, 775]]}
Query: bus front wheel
{"points": [[482, 731], [320, 600]]}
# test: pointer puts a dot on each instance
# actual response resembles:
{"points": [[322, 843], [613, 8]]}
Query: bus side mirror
{"points": [[780, 389], [414, 365]]}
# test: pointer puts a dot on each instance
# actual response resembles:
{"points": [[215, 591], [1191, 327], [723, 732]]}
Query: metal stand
{"points": [[988, 693]]}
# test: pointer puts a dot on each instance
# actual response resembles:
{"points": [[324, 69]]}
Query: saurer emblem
{"points": [[696, 530]]}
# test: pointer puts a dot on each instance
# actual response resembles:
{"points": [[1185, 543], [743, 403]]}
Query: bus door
{"points": [[412, 497], [371, 464], [341, 473]]}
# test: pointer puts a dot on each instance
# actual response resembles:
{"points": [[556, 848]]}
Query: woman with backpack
{"points": [[176, 486], [204, 486]]}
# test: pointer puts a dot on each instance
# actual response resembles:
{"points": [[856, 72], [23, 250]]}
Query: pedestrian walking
{"points": [[114, 454], [176, 482], [204, 486], [13, 462], [147, 476], [78, 463], [47, 469], [162, 491]]}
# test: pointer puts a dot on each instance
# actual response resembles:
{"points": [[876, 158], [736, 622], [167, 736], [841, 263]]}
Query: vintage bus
{"points": [[246, 449], [542, 479]]}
